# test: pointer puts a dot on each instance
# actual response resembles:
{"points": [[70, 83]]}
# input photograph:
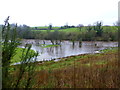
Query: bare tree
{"points": [[80, 26]]}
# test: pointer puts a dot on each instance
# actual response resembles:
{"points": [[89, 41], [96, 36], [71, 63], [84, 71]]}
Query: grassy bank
{"points": [[82, 71], [17, 57]]}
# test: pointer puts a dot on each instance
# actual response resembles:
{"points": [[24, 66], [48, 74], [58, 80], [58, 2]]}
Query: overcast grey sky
{"points": [[59, 12]]}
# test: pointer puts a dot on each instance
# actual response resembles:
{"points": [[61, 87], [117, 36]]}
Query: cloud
{"points": [[58, 12]]}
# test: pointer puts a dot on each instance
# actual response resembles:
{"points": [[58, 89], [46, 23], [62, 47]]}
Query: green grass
{"points": [[69, 29], [40, 27], [17, 57], [110, 29], [42, 30], [45, 27], [112, 49], [65, 30], [50, 46], [47, 46]]}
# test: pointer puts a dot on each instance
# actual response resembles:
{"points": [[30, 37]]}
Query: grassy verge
{"points": [[82, 71], [17, 57]]}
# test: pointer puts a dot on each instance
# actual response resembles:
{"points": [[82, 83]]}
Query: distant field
{"points": [[105, 29], [45, 27]]}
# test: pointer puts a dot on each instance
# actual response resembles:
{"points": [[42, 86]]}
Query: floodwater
{"points": [[66, 48]]}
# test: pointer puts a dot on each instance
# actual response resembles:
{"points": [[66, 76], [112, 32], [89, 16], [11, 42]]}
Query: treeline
{"points": [[96, 32], [91, 33]]}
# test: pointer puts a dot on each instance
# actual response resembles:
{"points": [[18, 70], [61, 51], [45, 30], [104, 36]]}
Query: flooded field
{"points": [[67, 48]]}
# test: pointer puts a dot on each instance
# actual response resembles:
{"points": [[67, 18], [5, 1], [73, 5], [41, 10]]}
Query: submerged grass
{"points": [[47, 46], [82, 71]]}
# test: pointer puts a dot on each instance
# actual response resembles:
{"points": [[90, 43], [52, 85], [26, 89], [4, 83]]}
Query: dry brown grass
{"points": [[82, 76]]}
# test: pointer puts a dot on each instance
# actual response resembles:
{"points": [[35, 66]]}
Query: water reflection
{"points": [[66, 48]]}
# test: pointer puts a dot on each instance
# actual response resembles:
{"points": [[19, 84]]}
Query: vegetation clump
{"points": [[9, 48]]}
